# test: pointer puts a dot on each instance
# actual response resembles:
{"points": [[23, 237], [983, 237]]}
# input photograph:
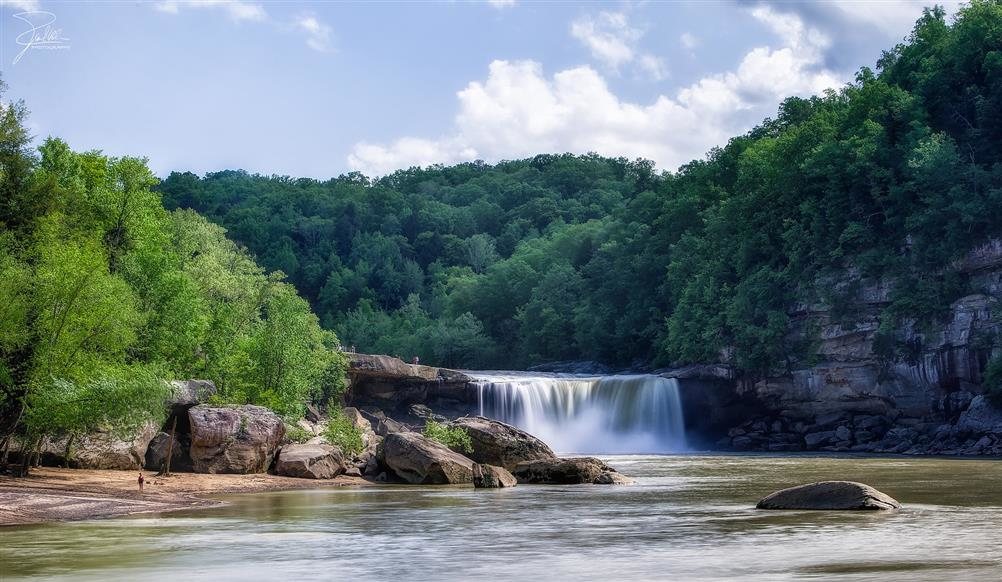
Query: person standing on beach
{"points": [[141, 481]]}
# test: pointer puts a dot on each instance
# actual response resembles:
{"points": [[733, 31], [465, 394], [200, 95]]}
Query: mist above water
{"points": [[600, 414]]}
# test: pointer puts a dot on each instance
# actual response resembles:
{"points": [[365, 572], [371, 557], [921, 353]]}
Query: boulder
{"points": [[310, 461], [613, 478], [239, 439], [417, 459], [565, 471], [981, 417], [500, 444], [156, 453], [840, 495], [187, 393], [492, 477], [104, 449], [381, 424]]}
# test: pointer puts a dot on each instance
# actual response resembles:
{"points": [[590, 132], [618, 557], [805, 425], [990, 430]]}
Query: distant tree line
{"points": [[558, 257]]}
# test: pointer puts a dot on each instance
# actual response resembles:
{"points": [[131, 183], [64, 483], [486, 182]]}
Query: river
{"points": [[689, 517]]}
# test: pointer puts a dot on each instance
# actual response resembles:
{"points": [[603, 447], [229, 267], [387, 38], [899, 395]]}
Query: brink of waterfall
{"points": [[595, 414]]}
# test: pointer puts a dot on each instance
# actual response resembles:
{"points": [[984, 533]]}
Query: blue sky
{"points": [[322, 88]]}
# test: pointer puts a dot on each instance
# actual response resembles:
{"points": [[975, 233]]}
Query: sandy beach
{"points": [[53, 494]]}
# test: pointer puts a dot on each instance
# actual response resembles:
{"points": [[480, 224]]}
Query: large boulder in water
{"points": [[310, 461], [418, 459], [239, 439], [497, 443], [569, 472], [156, 453], [842, 495], [491, 477]]}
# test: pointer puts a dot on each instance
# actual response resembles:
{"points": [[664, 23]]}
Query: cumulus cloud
{"points": [[21, 5], [318, 34], [518, 110], [608, 36], [235, 9], [612, 41]]}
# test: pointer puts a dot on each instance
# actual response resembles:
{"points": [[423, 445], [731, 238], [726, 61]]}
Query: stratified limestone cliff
{"points": [[918, 397]]}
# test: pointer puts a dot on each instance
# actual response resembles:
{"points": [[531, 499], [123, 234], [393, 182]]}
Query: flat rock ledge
{"points": [[830, 495]]}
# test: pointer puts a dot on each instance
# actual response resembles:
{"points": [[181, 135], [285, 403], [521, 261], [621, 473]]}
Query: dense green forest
{"points": [[580, 257], [105, 295]]}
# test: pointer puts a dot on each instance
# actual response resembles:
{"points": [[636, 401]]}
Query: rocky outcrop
{"points": [[417, 459], [188, 393], [831, 495], [239, 439], [497, 443], [180, 460], [391, 385], [310, 461], [568, 472], [381, 424], [492, 477], [102, 449]]}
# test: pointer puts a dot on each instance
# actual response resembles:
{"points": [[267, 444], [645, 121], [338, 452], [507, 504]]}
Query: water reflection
{"points": [[689, 517]]}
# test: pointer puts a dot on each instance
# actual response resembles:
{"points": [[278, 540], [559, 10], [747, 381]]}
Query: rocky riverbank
{"points": [[55, 494]]}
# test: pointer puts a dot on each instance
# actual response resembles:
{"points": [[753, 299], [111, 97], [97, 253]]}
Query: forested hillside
{"points": [[104, 295], [895, 176]]}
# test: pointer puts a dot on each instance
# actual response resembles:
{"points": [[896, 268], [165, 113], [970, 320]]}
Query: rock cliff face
{"points": [[918, 393]]}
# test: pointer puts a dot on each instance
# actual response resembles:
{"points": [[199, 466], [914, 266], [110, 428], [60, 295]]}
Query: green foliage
{"points": [[106, 294], [297, 434], [454, 437], [992, 381], [893, 177], [342, 433]]}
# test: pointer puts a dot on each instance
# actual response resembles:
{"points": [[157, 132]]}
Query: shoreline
{"points": [[52, 494]]}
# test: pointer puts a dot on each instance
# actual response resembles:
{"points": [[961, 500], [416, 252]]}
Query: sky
{"points": [[319, 89]]}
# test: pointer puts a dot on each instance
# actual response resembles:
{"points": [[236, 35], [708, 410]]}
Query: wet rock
{"points": [[741, 443], [830, 495], [497, 443], [613, 478], [563, 471], [417, 459], [239, 439], [492, 477], [843, 433], [310, 461]]}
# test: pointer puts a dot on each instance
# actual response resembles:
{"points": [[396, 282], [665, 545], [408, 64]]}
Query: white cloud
{"points": [[235, 9], [612, 40], [893, 17], [318, 34], [688, 41], [520, 111], [653, 67], [501, 4], [608, 36], [23, 5]]}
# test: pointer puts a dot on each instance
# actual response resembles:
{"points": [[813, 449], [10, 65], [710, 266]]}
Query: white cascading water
{"points": [[576, 414]]}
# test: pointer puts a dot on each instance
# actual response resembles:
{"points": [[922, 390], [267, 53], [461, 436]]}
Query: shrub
{"points": [[453, 437], [297, 434], [342, 433], [992, 381]]}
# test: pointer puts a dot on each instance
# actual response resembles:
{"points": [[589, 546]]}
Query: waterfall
{"points": [[576, 414]]}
